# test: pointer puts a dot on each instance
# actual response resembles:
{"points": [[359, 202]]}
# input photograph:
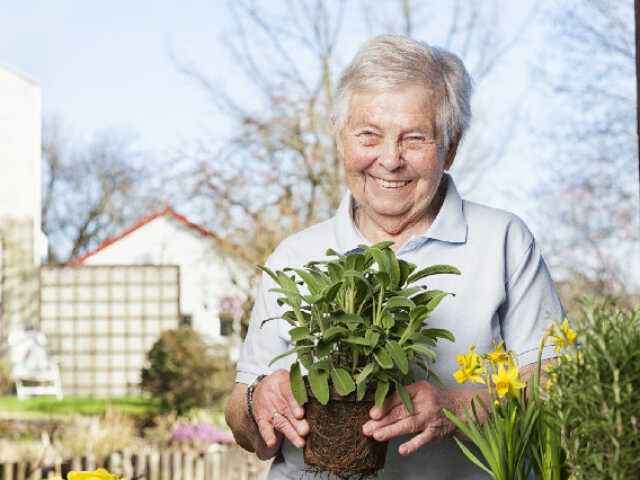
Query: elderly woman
{"points": [[401, 110]]}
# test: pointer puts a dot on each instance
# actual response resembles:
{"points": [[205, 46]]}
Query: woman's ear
{"points": [[453, 148]]}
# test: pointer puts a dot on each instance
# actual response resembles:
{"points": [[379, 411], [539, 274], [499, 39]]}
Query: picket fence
{"points": [[219, 462]]}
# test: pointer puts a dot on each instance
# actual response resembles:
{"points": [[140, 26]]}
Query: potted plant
{"points": [[358, 327]]}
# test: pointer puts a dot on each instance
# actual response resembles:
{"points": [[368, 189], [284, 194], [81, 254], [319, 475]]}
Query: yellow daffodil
{"points": [[507, 380], [100, 474], [471, 367], [498, 356], [564, 338]]}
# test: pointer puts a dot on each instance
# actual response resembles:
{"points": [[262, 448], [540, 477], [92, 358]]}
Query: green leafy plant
{"points": [[504, 428], [594, 394], [359, 323]]}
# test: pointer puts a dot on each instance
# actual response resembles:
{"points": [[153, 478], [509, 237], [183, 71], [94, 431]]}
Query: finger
{"points": [[281, 423], [301, 425], [398, 412], [390, 403], [401, 427], [417, 442], [267, 432]]}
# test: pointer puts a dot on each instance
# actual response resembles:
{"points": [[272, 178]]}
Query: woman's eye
{"points": [[367, 137]]}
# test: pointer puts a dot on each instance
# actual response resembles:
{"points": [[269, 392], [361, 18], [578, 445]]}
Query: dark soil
{"points": [[336, 442]]}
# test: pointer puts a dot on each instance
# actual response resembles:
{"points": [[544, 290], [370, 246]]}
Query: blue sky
{"points": [[108, 65]]}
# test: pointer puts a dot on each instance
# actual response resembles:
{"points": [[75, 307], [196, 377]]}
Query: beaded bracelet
{"points": [[250, 390]]}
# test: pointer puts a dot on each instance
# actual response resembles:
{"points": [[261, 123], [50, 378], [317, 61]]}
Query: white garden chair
{"points": [[33, 371]]}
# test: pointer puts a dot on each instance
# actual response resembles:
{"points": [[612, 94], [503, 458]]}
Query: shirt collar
{"points": [[449, 225]]}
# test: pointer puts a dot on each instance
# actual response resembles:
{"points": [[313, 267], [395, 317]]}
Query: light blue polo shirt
{"points": [[505, 293]]}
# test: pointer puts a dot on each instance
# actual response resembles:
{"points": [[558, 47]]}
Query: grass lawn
{"points": [[77, 405]]}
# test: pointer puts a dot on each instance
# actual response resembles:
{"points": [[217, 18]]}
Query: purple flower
{"points": [[201, 432]]}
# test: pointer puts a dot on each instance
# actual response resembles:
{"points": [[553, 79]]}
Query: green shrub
{"points": [[596, 394], [183, 371], [5, 377]]}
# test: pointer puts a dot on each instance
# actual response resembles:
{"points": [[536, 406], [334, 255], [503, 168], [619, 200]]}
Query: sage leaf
{"points": [[319, 383], [439, 333], [342, 381], [381, 393], [299, 333], [372, 338], [299, 348], [332, 332], [403, 393], [297, 384], [399, 301], [398, 355], [366, 371], [383, 358], [433, 270], [422, 350]]}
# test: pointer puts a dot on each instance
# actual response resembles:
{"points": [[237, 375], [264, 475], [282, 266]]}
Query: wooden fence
{"points": [[219, 462]]}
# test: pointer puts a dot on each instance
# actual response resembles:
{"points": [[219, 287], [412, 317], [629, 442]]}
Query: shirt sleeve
{"points": [[263, 341], [532, 303]]}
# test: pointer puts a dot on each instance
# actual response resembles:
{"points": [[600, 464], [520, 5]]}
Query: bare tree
{"points": [[591, 193], [90, 192], [279, 171]]}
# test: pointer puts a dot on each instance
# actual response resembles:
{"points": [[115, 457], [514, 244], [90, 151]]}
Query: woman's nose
{"points": [[391, 155]]}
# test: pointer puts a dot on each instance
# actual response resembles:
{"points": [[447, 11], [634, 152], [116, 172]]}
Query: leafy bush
{"points": [[182, 371], [595, 395]]}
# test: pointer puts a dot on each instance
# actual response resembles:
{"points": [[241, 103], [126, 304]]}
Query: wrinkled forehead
{"points": [[404, 106]]}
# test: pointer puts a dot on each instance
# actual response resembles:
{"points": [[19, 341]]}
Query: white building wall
{"points": [[20, 153], [205, 277]]}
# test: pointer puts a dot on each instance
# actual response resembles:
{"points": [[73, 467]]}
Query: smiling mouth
{"points": [[391, 184]]}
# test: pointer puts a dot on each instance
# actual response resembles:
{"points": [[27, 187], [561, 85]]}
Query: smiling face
{"points": [[393, 161]]}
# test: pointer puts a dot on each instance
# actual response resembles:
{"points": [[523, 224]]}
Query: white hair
{"points": [[393, 61]]}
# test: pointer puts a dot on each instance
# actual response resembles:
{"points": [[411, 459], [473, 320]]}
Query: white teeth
{"points": [[388, 184]]}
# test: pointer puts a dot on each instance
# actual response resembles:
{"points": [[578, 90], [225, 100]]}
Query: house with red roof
{"points": [[210, 277]]}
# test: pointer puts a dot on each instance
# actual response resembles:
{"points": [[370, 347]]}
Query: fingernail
{"points": [[378, 435], [375, 412], [366, 429]]}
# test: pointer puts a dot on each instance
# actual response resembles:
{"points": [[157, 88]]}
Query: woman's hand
{"points": [[277, 413], [428, 420]]}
